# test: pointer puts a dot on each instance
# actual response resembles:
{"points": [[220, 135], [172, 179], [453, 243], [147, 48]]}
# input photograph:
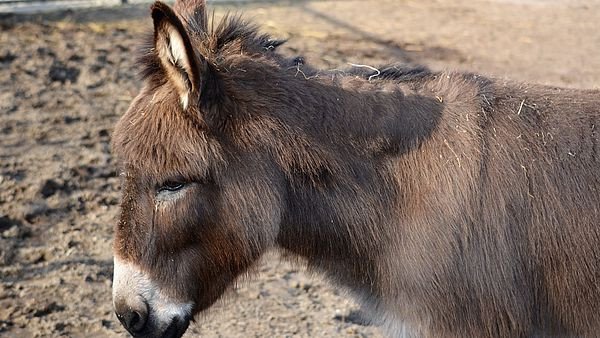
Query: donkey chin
{"points": [[143, 309]]}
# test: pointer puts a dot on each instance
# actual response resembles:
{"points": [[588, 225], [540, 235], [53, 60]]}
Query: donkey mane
{"points": [[234, 34]]}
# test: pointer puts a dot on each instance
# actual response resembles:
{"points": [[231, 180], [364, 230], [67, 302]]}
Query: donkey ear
{"points": [[193, 12], [175, 51]]}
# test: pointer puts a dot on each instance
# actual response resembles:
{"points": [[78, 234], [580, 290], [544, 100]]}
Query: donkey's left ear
{"points": [[176, 53]]}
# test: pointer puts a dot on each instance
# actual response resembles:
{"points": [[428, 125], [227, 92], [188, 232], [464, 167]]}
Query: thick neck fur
{"points": [[333, 137]]}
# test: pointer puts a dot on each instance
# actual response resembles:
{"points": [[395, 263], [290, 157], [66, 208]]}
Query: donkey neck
{"points": [[335, 215], [345, 108]]}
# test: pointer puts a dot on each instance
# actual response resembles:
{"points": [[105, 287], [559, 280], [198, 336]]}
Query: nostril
{"points": [[133, 318], [134, 321]]}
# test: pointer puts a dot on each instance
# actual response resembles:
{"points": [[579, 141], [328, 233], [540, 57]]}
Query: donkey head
{"points": [[199, 201]]}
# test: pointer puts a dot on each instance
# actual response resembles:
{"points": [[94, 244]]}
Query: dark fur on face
{"points": [[461, 205]]}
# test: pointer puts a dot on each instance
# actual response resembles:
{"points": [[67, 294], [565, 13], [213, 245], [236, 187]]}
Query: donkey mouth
{"points": [[175, 329]]}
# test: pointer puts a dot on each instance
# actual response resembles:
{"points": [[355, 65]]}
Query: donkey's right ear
{"points": [[176, 53]]}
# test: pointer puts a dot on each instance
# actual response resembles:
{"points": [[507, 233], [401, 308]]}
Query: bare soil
{"points": [[65, 78]]}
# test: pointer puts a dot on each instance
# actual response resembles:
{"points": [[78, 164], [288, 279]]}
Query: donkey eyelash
{"points": [[171, 186]]}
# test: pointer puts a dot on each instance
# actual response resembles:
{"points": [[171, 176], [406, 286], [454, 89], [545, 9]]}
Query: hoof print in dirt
{"points": [[5, 325], [76, 58], [12, 228], [17, 232], [59, 327], [51, 187], [7, 58], [48, 309], [34, 210], [71, 119], [59, 72], [7, 222], [45, 51]]}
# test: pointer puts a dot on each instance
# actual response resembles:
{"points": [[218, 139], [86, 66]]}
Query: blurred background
{"points": [[67, 73]]}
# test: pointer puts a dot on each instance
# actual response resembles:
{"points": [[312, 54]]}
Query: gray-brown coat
{"points": [[450, 204]]}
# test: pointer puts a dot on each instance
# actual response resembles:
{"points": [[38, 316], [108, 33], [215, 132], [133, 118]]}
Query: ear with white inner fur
{"points": [[176, 53]]}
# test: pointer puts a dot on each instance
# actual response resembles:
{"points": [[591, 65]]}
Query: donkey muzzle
{"points": [[143, 308], [140, 322]]}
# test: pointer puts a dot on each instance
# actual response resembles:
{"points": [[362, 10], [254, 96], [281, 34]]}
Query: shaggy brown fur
{"points": [[451, 204]]}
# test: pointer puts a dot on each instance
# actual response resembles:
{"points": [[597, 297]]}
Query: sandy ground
{"points": [[66, 78]]}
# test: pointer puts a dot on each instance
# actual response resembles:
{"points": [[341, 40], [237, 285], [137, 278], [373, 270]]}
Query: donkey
{"points": [[449, 204]]}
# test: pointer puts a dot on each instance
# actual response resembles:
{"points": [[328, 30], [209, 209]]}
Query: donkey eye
{"points": [[170, 186]]}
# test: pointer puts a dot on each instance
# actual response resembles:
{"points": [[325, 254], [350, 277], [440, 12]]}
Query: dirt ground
{"points": [[66, 78]]}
